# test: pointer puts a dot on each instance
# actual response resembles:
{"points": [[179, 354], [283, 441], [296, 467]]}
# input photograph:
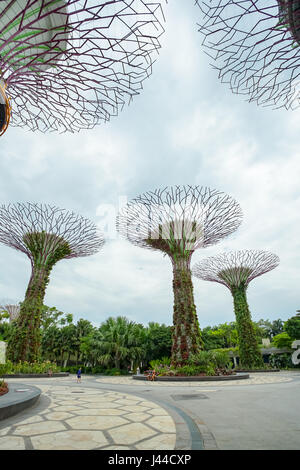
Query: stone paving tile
{"points": [[254, 379], [96, 422], [131, 433], [90, 420], [43, 427], [12, 443], [158, 443], [70, 440], [161, 423]]}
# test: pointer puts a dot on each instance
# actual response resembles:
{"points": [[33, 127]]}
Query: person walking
{"points": [[79, 375]]}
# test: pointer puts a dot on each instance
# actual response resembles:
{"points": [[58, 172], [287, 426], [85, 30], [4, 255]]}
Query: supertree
{"points": [[236, 270], [177, 221], [255, 45], [12, 308], [66, 65], [46, 234]]}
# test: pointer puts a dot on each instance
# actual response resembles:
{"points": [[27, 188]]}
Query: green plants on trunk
{"points": [[236, 270], [249, 352], [45, 249], [186, 331], [177, 221]]}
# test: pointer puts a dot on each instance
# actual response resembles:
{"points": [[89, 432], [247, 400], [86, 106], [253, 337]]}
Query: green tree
{"points": [[292, 327], [84, 328], [91, 347], [50, 343], [52, 316], [220, 336], [158, 341], [270, 329], [283, 340], [121, 342], [67, 342]]}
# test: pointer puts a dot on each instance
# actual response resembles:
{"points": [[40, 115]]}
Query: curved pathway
{"points": [[115, 413]]}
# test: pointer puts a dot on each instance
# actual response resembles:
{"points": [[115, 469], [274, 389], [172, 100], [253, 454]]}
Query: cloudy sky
{"points": [[184, 128]]}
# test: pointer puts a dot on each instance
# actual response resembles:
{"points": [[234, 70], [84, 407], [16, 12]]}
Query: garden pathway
{"points": [[119, 413], [81, 418]]}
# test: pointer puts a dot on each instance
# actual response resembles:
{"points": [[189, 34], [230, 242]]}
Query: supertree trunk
{"points": [[46, 249], [186, 332], [249, 353], [25, 344]]}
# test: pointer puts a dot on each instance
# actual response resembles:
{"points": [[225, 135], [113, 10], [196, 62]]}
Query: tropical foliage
{"points": [[119, 344]]}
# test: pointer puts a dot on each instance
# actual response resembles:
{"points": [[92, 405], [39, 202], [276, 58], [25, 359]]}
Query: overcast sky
{"points": [[184, 128]]}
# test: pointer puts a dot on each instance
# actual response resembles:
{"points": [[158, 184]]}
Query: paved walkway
{"points": [[116, 413], [254, 379], [80, 418]]}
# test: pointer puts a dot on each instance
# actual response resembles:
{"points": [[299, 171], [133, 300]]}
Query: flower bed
{"points": [[193, 378], [3, 387], [258, 370], [202, 364]]}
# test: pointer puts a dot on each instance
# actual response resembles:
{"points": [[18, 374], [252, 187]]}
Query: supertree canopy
{"points": [[69, 64], [236, 270], [177, 221], [46, 234], [255, 45]]}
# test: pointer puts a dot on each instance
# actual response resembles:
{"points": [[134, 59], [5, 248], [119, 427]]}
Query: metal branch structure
{"points": [[236, 270], [177, 221], [13, 309], [255, 47], [46, 234], [67, 65]]}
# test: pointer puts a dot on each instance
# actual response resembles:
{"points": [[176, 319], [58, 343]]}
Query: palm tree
{"points": [[66, 342], [121, 341], [50, 343], [83, 329], [91, 347]]}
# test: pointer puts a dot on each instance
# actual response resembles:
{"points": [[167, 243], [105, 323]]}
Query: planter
{"points": [[35, 376], [194, 378], [18, 398], [257, 370]]}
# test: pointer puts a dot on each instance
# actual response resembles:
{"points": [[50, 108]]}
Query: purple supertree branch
{"points": [[24, 219], [82, 69], [255, 47], [235, 268]]}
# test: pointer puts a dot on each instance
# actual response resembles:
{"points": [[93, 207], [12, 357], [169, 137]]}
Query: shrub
{"points": [[165, 361], [190, 370], [98, 370], [282, 361], [283, 340], [94, 370], [212, 358], [202, 358], [10, 368], [115, 371], [221, 359]]}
